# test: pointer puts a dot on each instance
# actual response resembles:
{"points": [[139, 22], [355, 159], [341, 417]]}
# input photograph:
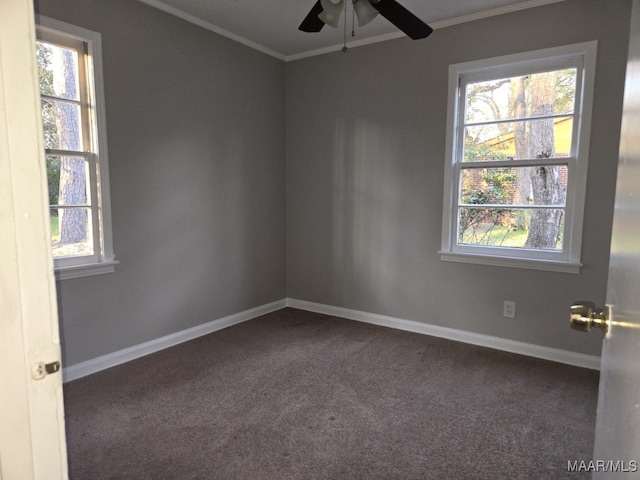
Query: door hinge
{"points": [[41, 369]]}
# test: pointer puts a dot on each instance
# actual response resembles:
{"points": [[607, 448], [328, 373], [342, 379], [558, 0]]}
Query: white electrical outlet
{"points": [[509, 309]]}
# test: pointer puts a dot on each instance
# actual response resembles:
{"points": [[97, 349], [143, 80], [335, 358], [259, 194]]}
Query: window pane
{"points": [[68, 180], [538, 229], [58, 71], [71, 233], [514, 186], [62, 125], [548, 93], [549, 138]]}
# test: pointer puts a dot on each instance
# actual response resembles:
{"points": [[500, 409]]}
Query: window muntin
{"points": [[516, 178], [74, 132]]}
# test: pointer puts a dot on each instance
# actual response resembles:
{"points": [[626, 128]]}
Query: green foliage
{"points": [[45, 75], [55, 230], [477, 152], [497, 235], [501, 182], [565, 90], [496, 187], [49, 127], [472, 218], [53, 178]]}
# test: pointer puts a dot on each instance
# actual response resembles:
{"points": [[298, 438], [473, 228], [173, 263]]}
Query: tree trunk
{"points": [[545, 224], [73, 175], [72, 221], [545, 181]]}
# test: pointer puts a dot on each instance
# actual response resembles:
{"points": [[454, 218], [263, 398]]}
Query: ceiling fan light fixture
{"points": [[327, 12], [331, 11], [364, 11]]}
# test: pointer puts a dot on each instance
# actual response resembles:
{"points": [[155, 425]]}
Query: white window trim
{"points": [[567, 261], [104, 262]]}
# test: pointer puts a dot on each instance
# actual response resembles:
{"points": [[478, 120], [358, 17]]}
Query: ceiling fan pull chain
{"points": [[344, 44], [353, 18]]}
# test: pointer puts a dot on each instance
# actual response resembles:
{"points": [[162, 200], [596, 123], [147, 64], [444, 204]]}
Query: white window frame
{"points": [[567, 260], [103, 260]]}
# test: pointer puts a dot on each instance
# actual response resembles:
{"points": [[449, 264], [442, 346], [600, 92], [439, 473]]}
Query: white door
{"points": [[618, 421], [32, 441]]}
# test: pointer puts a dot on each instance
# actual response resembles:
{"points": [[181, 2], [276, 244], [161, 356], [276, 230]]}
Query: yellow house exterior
{"points": [[562, 129]]}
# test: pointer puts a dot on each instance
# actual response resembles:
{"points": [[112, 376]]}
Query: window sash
{"points": [[519, 69], [567, 207]]}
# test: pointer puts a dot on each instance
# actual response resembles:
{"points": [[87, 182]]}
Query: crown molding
{"points": [[334, 48], [338, 47], [494, 12], [436, 25]]}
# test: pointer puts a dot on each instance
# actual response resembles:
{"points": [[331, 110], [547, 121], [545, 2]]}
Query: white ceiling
{"points": [[272, 25]]}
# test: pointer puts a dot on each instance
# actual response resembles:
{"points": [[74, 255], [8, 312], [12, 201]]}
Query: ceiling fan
{"points": [[327, 12]]}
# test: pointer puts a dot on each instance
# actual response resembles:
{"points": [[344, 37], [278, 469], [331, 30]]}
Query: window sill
{"points": [[88, 270], [531, 264]]}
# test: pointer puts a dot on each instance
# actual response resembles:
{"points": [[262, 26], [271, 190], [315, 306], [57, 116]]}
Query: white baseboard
{"points": [[82, 369], [497, 343], [103, 362]]}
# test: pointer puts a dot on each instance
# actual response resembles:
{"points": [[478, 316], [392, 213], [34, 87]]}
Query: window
{"points": [[515, 175], [72, 101]]}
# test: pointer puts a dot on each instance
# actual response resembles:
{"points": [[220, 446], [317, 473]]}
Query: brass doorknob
{"points": [[585, 315]]}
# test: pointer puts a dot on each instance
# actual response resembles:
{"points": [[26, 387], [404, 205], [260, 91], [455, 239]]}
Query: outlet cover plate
{"points": [[509, 309]]}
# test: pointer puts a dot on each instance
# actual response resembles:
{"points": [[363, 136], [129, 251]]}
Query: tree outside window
{"points": [[62, 112], [515, 177], [75, 148], [516, 119]]}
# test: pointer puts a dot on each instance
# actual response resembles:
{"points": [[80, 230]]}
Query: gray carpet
{"points": [[298, 395]]}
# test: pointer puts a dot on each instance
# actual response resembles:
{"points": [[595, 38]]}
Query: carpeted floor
{"points": [[298, 395]]}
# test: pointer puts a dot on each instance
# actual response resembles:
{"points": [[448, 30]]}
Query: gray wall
{"points": [[196, 132], [365, 159], [209, 219]]}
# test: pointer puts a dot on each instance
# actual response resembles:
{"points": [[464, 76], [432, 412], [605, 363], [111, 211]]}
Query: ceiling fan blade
{"points": [[311, 22], [402, 18]]}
